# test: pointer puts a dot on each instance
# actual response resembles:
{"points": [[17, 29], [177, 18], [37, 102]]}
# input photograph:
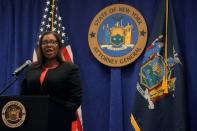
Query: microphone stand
{"points": [[9, 84]]}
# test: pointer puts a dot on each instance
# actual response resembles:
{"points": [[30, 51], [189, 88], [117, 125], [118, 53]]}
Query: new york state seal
{"points": [[117, 35], [13, 114]]}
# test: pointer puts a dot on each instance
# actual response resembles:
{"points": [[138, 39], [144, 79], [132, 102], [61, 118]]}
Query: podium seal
{"points": [[13, 114]]}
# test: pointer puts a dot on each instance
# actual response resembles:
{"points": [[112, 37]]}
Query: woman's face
{"points": [[49, 46]]}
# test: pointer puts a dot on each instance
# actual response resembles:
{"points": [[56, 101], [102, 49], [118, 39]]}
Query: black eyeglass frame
{"points": [[52, 42]]}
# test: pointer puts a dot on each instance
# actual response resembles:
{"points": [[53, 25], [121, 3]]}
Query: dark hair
{"points": [[40, 56]]}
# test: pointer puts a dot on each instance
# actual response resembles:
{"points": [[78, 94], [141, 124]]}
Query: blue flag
{"points": [[160, 101]]}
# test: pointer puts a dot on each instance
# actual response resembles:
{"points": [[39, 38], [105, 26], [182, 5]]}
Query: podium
{"points": [[42, 114]]}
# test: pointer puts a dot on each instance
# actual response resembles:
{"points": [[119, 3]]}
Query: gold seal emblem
{"points": [[117, 35], [13, 114]]}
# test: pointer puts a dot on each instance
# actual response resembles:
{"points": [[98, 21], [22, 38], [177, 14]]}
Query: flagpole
{"points": [[166, 38], [165, 78], [52, 21]]}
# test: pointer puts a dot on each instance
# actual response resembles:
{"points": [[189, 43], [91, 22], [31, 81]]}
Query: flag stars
{"points": [[44, 16], [63, 34], [48, 26], [43, 22], [48, 2], [46, 23], [59, 18], [55, 22], [46, 9], [49, 19], [41, 29]]}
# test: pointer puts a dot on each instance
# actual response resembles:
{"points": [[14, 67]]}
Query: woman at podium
{"points": [[54, 77]]}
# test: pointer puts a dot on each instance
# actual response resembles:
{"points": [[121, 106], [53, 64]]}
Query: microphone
{"points": [[23, 66], [15, 74]]}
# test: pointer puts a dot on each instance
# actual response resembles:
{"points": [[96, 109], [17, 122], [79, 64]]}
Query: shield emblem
{"points": [[152, 73]]}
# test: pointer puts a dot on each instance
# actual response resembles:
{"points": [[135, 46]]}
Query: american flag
{"points": [[52, 21]]}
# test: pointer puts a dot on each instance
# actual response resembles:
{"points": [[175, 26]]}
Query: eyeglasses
{"points": [[52, 42]]}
